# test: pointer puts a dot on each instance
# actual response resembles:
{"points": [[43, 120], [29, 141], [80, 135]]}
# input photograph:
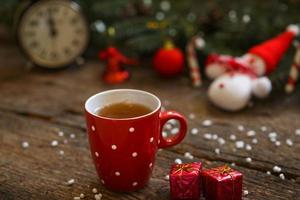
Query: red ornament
{"points": [[222, 183], [114, 72], [185, 181], [169, 60]]}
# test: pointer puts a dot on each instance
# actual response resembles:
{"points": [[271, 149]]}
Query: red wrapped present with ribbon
{"points": [[185, 181], [222, 183]]}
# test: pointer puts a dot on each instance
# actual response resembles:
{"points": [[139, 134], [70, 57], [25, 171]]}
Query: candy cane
{"points": [[195, 43], [294, 72]]}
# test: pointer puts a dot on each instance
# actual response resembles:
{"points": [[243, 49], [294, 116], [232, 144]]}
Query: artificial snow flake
{"points": [[54, 143], [245, 192], [178, 161], [297, 132], [165, 5], [273, 139], [192, 116], [207, 123], [241, 128], [289, 142], [215, 136], [94, 190], [254, 141], [263, 128], [25, 145], [207, 136], [174, 131], [240, 144], [217, 151], [272, 135], [248, 147], [276, 169], [249, 160], [221, 141], [60, 133], [282, 176], [232, 137], [188, 155], [72, 136], [167, 177], [194, 131], [251, 133], [71, 181]]}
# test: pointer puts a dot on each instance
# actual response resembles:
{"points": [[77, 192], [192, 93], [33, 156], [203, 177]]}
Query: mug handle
{"points": [[171, 141]]}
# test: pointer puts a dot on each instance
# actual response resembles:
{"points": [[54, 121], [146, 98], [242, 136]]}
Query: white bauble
{"points": [[231, 92], [261, 87], [214, 70]]}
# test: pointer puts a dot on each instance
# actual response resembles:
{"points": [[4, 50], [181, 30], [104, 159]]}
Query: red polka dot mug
{"points": [[123, 150]]}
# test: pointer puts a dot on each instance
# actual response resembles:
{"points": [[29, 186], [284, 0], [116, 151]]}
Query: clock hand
{"points": [[51, 24]]}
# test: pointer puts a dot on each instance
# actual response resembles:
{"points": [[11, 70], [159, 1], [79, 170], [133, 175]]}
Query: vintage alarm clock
{"points": [[52, 33]]}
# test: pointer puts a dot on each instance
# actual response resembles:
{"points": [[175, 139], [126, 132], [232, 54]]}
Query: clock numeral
{"points": [[67, 51], [75, 42], [53, 55]]}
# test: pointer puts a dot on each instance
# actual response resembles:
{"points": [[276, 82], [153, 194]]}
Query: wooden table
{"points": [[35, 106]]}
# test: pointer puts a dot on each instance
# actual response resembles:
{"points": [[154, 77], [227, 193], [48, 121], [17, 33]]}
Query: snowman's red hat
{"points": [[272, 50]]}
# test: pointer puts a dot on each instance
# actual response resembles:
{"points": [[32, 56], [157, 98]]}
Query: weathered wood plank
{"points": [[40, 172]]}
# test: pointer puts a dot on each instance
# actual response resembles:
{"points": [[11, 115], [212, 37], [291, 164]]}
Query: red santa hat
{"points": [[272, 50]]}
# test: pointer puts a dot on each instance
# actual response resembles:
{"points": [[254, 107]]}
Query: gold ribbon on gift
{"points": [[226, 170], [185, 168]]}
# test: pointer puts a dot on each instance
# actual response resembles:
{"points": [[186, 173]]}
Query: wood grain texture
{"points": [[35, 106]]}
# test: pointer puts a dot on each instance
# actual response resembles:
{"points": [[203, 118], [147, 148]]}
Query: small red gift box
{"points": [[185, 181], [222, 183]]}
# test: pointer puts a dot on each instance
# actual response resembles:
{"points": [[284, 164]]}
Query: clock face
{"points": [[53, 33]]}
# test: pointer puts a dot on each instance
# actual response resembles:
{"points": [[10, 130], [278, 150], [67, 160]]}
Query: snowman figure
{"points": [[237, 78]]}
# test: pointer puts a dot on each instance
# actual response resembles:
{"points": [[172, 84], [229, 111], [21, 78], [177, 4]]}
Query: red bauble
{"points": [[168, 61]]}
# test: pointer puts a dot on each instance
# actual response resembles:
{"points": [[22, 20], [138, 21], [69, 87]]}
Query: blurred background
{"points": [[139, 27]]}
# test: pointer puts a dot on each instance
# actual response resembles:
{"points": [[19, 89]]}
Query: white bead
{"points": [[167, 177], [25, 145], [60, 133], [248, 147], [131, 129], [276, 169], [188, 155], [251, 133], [113, 147], [164, 134], [215, 136], [178, 161], [54, 143], [96, 154], [297, 132], [192, 116], [207, 136], [174, 131], [268, 172], [217, 151], [272, 135], [150, 165], [71, 182], [134, 184], [248, 159], [282, 176], [117, 173], [151, 139], [72, 135], [241, 128], [134, 154], [61, 152], [277, 143], [263, 128], [221, 141], [93, 128], [254, 141], [94, 190], [168, 126], [239, 144], [232, 137], [232, 164], [289, 142], [98, 196], [81, 196], [245, 192], [207, 123], [194, 131]]}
